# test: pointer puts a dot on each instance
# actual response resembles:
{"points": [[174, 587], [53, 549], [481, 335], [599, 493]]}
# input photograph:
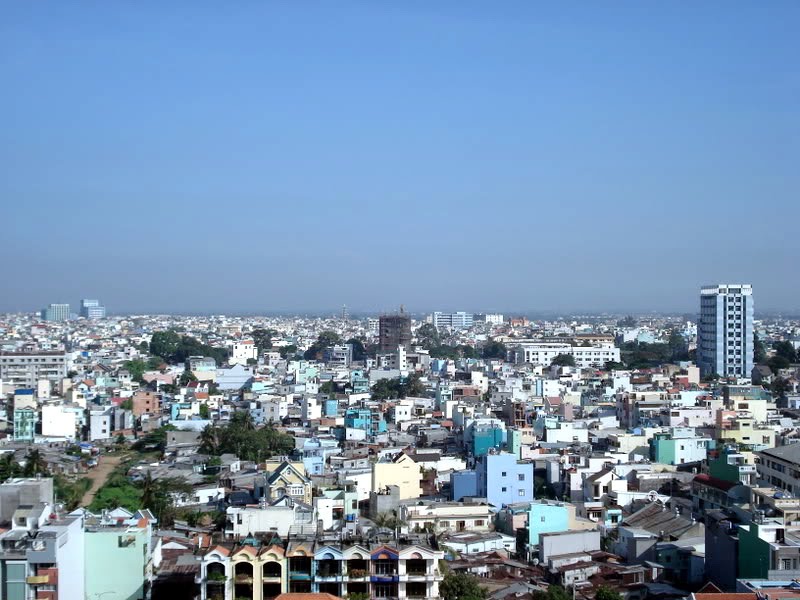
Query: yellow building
{"points": [[401, 471], [286, 478]]}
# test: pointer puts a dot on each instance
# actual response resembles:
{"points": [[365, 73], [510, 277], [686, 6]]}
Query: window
{"points": [[504, 474], [521, 492], [479, 523], [503, 489], [521, 476]]}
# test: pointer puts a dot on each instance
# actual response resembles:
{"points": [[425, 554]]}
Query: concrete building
{"points": [[399, 470], [56, 313], [456, 320], [58, 422], [26, 369], [242, 351], [725, 331], [92, 309], [394, 331], [543, 353], [499, 477]]}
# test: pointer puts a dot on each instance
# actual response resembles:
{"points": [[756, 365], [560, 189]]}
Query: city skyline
{"points": [[590, 158]]}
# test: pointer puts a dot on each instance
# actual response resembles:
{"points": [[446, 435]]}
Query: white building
{"points": [[57, 422], [543, 353], [242, 351], [456, 320]]}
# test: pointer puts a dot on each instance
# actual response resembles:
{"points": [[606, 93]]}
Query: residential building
{"points": [[26, 369], [399, 470], [725, 331], [780, 467], [441, 517], [679, 446], [499, 477]]}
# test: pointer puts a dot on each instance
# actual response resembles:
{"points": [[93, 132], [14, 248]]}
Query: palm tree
{"points": [[149, 492], [35, 464], [209, 440], [8, 466], [243, 419]]}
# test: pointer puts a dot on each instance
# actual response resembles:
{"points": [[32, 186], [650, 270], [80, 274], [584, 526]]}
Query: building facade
{"points": [[92, 309], [394, 331], [725, 331], [25, 369], [56, 313]]}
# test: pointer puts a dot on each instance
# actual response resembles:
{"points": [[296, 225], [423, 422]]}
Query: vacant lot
{"points": [[105, 465]]}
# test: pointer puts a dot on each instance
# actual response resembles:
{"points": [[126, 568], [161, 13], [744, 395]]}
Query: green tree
{"points": [[359, 351], [136, 368], [613, 365], [628, 321], [606, 593], [326, 339], [428, 336], [759, 351], [34, 464], [262, 338], [461, 586], [209, 440], [563, 360], [329, 387], [288, 351], [186, 378], [785, 350], [677, 346], [165, 343], [776, 363], [495, 350], [9, 467], [205, 412]]}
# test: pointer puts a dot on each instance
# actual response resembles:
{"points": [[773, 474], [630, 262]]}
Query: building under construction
{"points": [[394, 330]]}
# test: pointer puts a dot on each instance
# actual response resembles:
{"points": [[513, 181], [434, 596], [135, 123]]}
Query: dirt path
{"points": [[98, 475]]}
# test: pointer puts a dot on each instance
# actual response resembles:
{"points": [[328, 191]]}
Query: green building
{"points": [[118, 561], [24, 424]]}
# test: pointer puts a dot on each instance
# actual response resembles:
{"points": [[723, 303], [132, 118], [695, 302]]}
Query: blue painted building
{"points": [[486, 437], [499, 477], [364, 418], [546, 517], [316, 452]]}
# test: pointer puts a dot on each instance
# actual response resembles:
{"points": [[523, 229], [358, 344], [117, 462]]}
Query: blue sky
{"points": [[248, 156]]}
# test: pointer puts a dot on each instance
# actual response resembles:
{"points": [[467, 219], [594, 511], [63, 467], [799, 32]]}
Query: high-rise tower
{"points": [[725, 330]]}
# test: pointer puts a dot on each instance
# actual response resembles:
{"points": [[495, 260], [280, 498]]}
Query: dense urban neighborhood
{"points": [[449, 455]]}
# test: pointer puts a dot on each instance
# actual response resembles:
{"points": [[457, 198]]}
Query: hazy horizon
{"points": [[190, 157]]}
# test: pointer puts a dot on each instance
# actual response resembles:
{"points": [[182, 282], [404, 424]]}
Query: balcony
{"points": [[300, 575]]}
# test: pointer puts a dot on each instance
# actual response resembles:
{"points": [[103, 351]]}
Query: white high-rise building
{"points": [[456, 320], [725, 330]]}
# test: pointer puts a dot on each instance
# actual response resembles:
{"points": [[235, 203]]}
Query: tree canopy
{"points": [[176, 348], [243, 438], [461, 586], [262, 338], [326, 339], [563, 360], [389, 389], [495, 349], [785, 350]]}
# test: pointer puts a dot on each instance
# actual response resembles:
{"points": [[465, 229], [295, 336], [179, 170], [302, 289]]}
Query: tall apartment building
{"points": [[56, 312], [23, 369], [725, 330], [456, 320], [394, 331], [92, 309]]}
